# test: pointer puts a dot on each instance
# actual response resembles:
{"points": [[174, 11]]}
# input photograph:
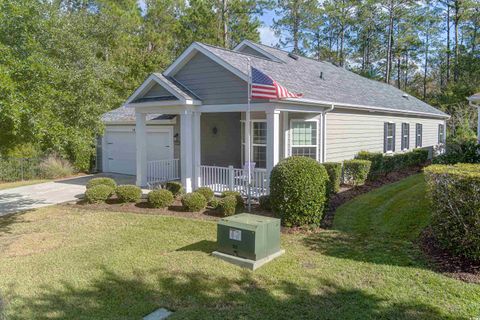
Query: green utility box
{"points": [[248, 236]]}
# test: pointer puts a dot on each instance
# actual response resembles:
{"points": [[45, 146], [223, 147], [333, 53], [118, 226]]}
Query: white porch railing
{"points": [[159, 171], [221, 179]]}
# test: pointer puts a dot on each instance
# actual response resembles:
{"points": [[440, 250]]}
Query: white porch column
{"points": [[273, 140], [197, 150], [286, 137], [186, 150], [141, 143]]}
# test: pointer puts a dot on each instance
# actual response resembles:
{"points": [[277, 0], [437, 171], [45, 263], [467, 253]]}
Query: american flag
{"points": [[264, 87]]}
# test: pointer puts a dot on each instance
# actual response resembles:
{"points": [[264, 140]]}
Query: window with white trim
{"points": [[405, 136], [441, 133], [303, 138], [389, 137], [258, 134], [418, 135]]}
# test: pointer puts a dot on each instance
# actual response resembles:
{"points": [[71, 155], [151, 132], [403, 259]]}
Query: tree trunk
{"points": [[225, 23], [448, 44], [389, 45], [405, 84], [425, 70], [456, 21]]}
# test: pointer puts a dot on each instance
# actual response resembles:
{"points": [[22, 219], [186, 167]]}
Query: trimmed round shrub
{"points": [[98, 194], [237, 195], [194, 202], [454, 194], [128, 193], [206, 192], [356, 171], [175, 188], [102, 181], [334, 171], [377, 166], [214, 203], [264, 202], [298, 191], [228, 205], [160, 198]]}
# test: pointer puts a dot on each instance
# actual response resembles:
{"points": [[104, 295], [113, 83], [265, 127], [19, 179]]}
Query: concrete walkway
{"points": [[49, 193]]}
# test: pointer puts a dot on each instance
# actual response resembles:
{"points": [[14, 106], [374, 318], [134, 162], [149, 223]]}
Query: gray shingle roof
{"points": [[125, 114], [338, 84], [177, 87]]}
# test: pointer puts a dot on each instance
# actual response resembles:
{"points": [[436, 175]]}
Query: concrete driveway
{"points": [[49, 193]]}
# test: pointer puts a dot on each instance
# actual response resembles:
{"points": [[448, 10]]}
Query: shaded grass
{"points": [[124, 266], [9, 185]]}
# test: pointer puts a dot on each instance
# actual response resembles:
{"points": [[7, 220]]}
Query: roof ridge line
{"points": [[238, 52]]}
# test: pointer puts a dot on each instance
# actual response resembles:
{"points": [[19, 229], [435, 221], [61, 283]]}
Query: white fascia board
{"points": [[247, 43], [358, 107], [191, 51], [132, 122], [148, 104]]}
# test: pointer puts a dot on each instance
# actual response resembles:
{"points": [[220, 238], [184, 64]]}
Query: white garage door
{"points": [[120, 150]]}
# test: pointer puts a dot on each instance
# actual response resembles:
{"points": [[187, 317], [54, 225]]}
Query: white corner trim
{"points": [[191, 51], [247, 43]]}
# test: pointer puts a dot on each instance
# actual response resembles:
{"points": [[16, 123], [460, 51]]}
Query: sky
{"points": [[267, 36]]}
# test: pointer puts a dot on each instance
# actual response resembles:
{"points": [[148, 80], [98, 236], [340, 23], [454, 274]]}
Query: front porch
{"points": [[211, 145]]}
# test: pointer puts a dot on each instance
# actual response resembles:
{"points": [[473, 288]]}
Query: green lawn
{"points": [[9, 185], [60, 262]]}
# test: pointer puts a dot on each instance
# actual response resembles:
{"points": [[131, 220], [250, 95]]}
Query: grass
{"points": [[60, 262], [9, 185]]}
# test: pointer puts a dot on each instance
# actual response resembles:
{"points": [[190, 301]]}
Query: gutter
{"points": [[324, 132], [358, 107]]}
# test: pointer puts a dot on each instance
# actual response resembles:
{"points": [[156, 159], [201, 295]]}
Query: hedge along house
{"points": [[190, 119], [475, 102]]}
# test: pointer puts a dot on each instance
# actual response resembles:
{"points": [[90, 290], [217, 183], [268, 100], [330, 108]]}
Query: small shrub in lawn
{"points": [[194, 202], [228, 205], [98, 194], [237, 195], [160, 198], [356, 171], [334, 171], [175, 188], [454, 194], [128, 193], [54, 167], [264, 202], [214, 202], [298, 191], [206, 192], [102, 181]]}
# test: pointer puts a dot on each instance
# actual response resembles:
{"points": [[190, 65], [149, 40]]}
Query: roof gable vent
{"points": [[293, 56]]}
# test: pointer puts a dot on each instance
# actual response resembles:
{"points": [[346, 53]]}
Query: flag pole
{"points": [[248, 139]]}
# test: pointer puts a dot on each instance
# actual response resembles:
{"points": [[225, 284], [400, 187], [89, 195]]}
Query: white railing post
{"points": [[231, 178]]}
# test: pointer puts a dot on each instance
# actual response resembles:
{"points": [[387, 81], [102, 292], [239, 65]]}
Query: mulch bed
{"points": [[347, 193], [444, 262], [113, 205]]}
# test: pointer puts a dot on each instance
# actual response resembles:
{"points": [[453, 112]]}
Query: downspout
{"points": [[324, 132]]}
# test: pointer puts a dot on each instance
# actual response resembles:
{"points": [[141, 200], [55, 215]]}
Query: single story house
{"points": [[475, 102], [188, 122]]}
